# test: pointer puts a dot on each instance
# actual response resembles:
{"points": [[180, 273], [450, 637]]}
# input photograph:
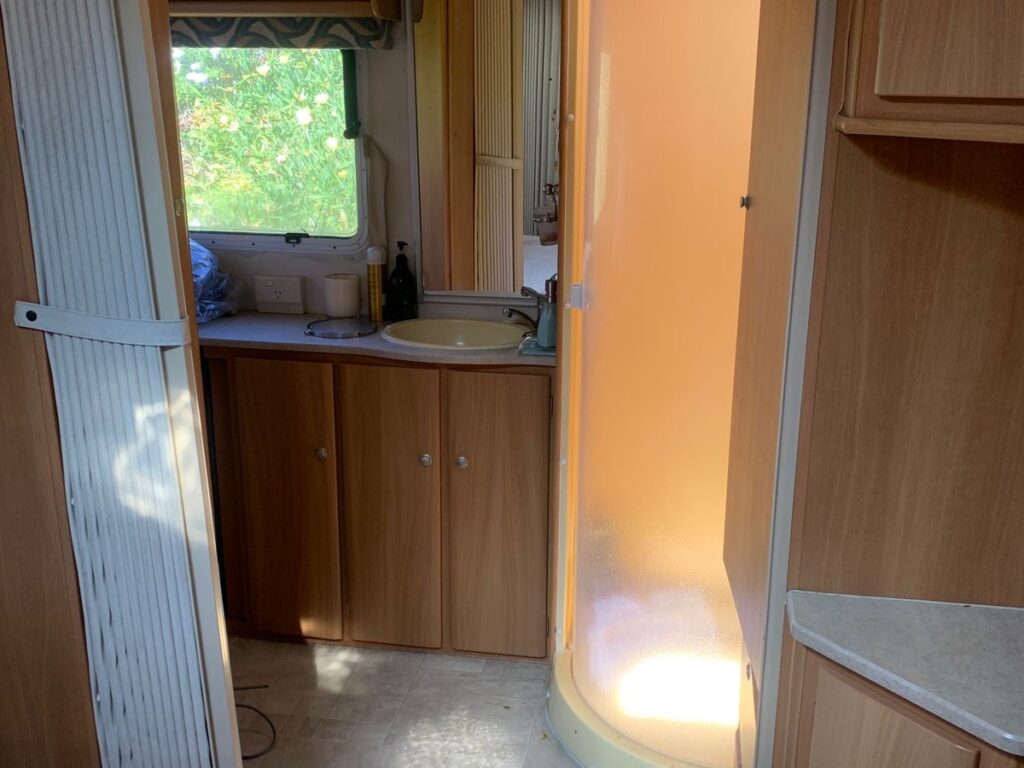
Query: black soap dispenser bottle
{"points": [[400, 292]]}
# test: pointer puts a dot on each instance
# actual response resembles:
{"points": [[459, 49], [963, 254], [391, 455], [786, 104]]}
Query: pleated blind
{"points": [[498, 137], [88, 148]]}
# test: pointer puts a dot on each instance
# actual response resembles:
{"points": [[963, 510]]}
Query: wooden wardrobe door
{"points": [[781, 96], [46, 712], [498, 512], [391, 467], [290, 490]]}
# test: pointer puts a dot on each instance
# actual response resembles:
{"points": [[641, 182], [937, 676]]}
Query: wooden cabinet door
{"points": [[938, 60], [390, 427], [290, 489], [228, 504], [853, 729], [781, 96], [498, 438], [952, 49]]}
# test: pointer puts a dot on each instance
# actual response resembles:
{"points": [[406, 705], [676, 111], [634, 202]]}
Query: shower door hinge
{"points": [[119, 330], [577, 296]]}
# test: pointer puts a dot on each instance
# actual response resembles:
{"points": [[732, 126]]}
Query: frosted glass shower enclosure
{"points": [[651, 642]]}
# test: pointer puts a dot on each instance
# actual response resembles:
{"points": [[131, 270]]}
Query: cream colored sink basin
{"points": [[469, 335]]}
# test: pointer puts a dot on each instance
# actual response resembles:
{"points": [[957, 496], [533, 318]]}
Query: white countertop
{"points": [[963, 663], [256, 330]]}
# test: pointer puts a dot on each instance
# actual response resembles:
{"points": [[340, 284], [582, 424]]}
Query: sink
{"points": [[469, 335]]}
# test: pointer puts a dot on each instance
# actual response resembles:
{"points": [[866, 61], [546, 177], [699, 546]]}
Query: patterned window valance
{"points": [[247, 32]]}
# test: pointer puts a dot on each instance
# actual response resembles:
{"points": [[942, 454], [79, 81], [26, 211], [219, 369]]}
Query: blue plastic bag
{"points": [[215, 292]]}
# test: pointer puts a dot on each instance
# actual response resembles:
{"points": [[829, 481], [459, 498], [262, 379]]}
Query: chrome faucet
{"points": [[511, 313], [529, 293]]}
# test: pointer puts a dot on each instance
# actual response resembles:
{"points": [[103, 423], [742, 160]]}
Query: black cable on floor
{"points": [[273, 730]]}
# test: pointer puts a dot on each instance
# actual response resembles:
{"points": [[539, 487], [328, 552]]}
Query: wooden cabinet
{"points": [[498, 434], [915, 63], [848, 722], [411, 501], [391, 465], [286, 438], [853, 729]]}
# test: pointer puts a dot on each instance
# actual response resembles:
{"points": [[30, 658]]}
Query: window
{"points": [[263, 141]]}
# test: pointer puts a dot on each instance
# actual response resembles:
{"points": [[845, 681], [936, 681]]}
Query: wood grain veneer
{"points": [[461, 146], [914, 463], [930, 129], [222, 444], [957, 50], [46, 714], [431, 37], [285, 413], [837, 719], [779, 129], [390, 416], [852, 729], [498, 512]]}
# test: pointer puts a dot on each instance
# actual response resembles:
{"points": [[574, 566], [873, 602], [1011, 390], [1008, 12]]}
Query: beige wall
{"points": [[668, 138]]}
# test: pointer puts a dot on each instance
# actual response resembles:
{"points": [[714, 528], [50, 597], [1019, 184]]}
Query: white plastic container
{"points": [[341, 295]]}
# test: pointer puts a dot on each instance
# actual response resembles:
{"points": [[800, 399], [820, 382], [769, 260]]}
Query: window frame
{"points": [[314, 245]]}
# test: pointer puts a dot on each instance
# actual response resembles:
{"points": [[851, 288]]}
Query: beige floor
{"points": [[337, 707]]}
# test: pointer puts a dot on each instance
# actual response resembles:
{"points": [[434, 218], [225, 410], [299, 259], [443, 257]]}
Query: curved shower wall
{"points": [[655, 647]]}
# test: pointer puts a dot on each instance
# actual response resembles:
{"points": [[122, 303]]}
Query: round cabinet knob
{"points": [[426, 460], [321, 453], [462, 462]]}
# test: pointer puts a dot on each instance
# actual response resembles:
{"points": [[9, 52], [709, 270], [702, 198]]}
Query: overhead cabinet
{"points": [[438, 536], [938, 68]]}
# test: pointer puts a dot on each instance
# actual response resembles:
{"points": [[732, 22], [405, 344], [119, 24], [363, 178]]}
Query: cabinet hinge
{"points": [[577, 296]]}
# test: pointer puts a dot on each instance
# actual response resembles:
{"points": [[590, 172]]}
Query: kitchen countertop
{"points": [[963, 663], [259, 330]]}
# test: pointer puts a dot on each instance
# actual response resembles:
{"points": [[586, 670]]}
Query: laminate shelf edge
{"points": [[994, 133], [962, 663]]}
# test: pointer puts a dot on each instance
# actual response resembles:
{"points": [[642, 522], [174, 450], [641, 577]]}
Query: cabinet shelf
{"points": [[995, 133]]}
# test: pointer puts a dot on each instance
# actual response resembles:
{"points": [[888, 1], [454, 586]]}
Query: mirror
{"points": [[487, 104]]}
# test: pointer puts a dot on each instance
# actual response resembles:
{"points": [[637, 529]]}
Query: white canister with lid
{"points": [[341, 295]]}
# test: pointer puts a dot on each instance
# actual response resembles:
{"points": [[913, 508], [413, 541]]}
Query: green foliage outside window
{"points": [[262, 141]]}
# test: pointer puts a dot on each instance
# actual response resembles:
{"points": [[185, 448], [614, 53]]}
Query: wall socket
{"points": [[279, 293]]}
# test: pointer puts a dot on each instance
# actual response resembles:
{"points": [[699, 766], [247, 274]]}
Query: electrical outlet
{"points": [[279, 293]]}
